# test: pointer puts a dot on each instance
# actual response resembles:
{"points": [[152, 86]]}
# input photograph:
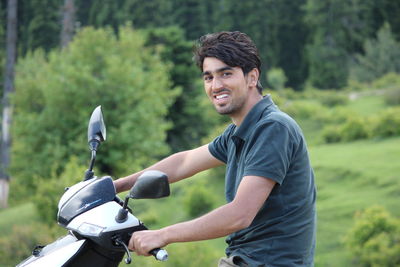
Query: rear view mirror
{"points": [[150, 185], [96, 129]]}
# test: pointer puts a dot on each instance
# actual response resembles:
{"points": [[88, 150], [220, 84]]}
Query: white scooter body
{"points": [[91, 223], [57, 257]]}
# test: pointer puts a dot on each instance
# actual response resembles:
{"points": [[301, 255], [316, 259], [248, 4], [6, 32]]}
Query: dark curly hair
{"points": [[235, 49]]}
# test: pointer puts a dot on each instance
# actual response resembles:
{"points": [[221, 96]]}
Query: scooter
{"points": [[99, 223]]}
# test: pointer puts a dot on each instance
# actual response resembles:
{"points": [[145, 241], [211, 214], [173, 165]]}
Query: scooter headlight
{"points": [[90, 229]]}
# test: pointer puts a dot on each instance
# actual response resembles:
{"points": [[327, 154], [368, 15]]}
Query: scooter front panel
{"points": [[102, 217]]}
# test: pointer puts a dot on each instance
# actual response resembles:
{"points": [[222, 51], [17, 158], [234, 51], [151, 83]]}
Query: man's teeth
{"points": [[221, 96]]}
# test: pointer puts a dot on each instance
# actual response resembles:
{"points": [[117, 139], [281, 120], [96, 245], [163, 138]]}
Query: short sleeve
{"points": [[219, 146], [269, 151]]}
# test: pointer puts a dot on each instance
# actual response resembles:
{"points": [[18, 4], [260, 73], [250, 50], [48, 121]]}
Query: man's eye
{"points": [[226, 74], [207, 78]]}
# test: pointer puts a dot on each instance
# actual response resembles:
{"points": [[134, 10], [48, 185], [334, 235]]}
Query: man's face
{"points": [[226, 87]]}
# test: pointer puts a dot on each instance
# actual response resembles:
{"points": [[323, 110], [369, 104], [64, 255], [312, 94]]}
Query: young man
{"points": [[269, 217]]}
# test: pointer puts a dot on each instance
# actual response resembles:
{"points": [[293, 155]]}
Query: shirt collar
{"points": [[253, 117]]}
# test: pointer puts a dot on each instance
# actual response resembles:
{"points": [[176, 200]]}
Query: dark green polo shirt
{"points": [[270, 144]]}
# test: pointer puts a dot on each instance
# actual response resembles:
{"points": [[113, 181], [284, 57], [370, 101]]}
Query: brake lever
{"points": [[128, 260]]}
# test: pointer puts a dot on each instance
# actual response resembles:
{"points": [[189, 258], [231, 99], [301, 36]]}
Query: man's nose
{"points": [[216, 84]]}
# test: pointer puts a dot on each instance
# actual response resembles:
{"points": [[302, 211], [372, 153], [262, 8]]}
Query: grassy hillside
{"points": [[351, 177], [19, 215]]}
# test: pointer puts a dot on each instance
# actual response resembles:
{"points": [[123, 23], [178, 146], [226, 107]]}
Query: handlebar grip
{"points": [[160, 254]]}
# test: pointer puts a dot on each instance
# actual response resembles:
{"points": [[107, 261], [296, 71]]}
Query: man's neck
{"points": [[238, 118]]}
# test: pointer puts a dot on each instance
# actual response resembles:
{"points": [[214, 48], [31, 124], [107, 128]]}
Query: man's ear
{"points": [[253, 76]]}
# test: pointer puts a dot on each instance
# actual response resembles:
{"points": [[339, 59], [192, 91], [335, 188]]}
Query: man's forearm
{"points": [[218, 223], [168, 165], [177, 167]]}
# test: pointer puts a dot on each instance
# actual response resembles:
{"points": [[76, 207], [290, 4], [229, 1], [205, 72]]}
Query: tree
{"points": [[338, 29], [38, 25], [57, 93], [326, 54], [190, 124], [381, 56], [390, 10], [68, 22], [7, 107], [192, 16], [142, 14]]}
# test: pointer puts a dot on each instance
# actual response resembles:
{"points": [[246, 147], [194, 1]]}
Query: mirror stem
{"points": [[89, 173], [92, 160]]}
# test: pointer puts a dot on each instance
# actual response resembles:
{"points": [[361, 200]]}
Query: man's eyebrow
{"points": [[218, 70]]}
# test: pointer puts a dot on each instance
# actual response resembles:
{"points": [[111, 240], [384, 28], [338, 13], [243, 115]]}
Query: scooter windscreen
{"points": [[93, 193]]}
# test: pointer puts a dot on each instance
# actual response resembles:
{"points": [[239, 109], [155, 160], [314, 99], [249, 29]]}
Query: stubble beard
{"points": [[230, 108]]}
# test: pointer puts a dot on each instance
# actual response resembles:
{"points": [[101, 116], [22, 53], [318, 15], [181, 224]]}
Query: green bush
{"points": [[276, 78], [374, 240], [332, 99], [336, 115], [387, 81], [331, 134], [328, 98], [392, 97], [198, 199], [303, 109], [387, 123], [354, 129]]}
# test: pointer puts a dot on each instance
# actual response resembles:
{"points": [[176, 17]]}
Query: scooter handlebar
{"points": [[160, 254]]}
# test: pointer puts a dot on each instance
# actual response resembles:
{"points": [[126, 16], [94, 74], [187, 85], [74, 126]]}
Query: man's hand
{"points": [[142, 242]]}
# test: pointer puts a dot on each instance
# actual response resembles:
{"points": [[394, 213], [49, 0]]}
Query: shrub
{"points": [[198, 199], [328, 98], [336, 115], [374, 240], [331, 134], [392, 97], [303, 109], [332, 99], [386, 81], [354, 129], [276, 78], [387, 123]]}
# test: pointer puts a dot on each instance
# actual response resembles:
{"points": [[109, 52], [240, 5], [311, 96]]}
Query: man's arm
{"points": [[234, 216], [177, 167]]}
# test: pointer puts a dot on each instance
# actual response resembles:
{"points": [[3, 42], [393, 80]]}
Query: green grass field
{"points": [[19, 215], [351, 177]]}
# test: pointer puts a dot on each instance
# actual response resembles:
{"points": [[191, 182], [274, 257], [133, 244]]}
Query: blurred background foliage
{"points": [[332, 65]]}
